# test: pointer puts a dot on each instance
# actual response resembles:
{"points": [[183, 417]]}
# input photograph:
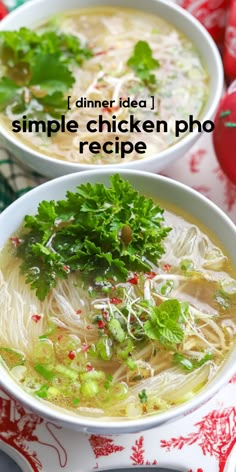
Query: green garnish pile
{"points": [[40, 63], [97, 230]]}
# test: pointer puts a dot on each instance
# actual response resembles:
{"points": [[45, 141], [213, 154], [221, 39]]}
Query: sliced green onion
{"points": [[76, 401], [44, 372], [116, 330], [89, 389], [119, 390], [186, 265], [66, 371], [42, 392], [93, 375], [44, 352], [53, 392], [104, 348], [124, 349], [11, 357]]}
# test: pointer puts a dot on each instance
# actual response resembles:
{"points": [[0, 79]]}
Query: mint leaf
{"points": [[151, 330], [172, 307], [164, 323], [172, 333]]}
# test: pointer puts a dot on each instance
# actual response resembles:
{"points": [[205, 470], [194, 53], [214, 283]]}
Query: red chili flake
{"points": [[104, 314], [110, 109], [132, 319], [133, 280], [89, 367], [151, 275], [88, 327], [115, 301], [71, 355], [15, 241], [78, 312], [101, 324], [99, 86], [66, 268], [85, 347], [36, 318], [60, 337], [104, 51], [166, 267]]}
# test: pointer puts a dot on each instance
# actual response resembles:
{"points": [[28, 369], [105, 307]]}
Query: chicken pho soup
{"points": [[95, 56], [112, 307]]}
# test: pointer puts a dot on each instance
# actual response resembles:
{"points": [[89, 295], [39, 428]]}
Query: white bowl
{"points": [[34, 12], [157, 187]]}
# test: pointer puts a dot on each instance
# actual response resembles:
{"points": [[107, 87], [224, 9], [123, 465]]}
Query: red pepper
{"points": [[133, 280], [89, 367], [85, 347], [71, 355], [104, 51], [104, 314], [3, 10], [101, 324], [110, 109], [66, 268], [166, 267], [78, 312], [151, 275], [88, 327], [36, 318], [15, 241], [115, 301]]}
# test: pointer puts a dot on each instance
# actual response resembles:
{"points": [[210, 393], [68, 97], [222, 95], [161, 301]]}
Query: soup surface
{"points": [[112, 64], [80, 329]]}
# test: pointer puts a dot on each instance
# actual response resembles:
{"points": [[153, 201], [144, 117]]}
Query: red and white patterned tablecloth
{"points": [[201, 442]]}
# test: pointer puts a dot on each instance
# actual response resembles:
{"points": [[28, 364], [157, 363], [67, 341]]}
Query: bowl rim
{"points": [[184, 141], [87, 424]]}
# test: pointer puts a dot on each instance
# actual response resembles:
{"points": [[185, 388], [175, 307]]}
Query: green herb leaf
{"points": [[143, 396], [143, 62], [88, 237], [190, 364], [51, 75], [39, 61], [222, 299], [8, 91], [164, 325]]}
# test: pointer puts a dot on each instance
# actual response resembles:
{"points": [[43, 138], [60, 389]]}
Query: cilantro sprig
{"points": [[143, 63], [40, 62], [84, 233]]}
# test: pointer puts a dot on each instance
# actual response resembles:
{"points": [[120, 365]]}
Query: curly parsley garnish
{"points": [[85, 233]]}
